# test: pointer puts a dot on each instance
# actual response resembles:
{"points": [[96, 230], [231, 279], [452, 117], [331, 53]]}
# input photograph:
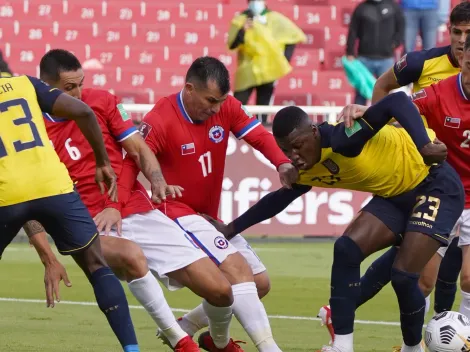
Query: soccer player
{"points": [[353, 158], [34, 185], [422, 68], [171, 254], [188, 132]]}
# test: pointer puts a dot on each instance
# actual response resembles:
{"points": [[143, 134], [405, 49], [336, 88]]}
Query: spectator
{"points": [[378, 26], [265, 42], [421, 17], [443, 12], [4, 69]]}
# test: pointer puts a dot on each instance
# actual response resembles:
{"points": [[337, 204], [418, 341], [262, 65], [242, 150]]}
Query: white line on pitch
{"points": [[179, 310]]}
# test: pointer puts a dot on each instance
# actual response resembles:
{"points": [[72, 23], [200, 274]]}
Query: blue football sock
{"points": [[412, 305], [446, 285], [345, 284], [377, 276], [112, 301]]}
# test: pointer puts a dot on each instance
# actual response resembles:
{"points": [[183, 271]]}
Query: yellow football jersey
{"points": [[389, 163], [30, 168], [426, 67]]}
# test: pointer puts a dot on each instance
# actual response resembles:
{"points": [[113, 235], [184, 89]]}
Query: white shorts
{"points": [[206, 236], [245, 249], [166, 247], [461, 229]]}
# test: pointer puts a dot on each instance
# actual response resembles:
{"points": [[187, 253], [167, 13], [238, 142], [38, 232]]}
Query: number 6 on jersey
{"points": [[206, 170]]}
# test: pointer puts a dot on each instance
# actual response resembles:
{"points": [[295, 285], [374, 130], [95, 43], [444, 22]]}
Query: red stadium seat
{"points": [[286, 99]]}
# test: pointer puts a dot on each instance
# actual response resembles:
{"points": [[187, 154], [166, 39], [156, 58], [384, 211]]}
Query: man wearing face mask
{"points": [[265, 41], [378, 26]]}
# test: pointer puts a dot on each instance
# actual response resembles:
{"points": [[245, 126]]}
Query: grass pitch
{"points": [[299, 273]]}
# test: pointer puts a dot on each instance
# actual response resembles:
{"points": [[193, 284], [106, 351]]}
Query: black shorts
{"points": [[432, 208], [64, 217]]}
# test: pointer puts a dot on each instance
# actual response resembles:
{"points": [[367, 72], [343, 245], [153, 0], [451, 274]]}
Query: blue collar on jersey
{"points": [[183, 111], [460, 87]]}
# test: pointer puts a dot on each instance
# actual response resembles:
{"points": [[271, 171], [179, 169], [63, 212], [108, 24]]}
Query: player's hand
{"points": [[160, 190], [350, 113], [288, 174], [53, 275], [435, 152], [226, 230], [108, 218], [105, 176]]}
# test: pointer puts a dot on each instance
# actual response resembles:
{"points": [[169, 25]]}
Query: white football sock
{"points": [[465, 304], [150, 295], [194, 320], [344, 343], [418, 348], [219, 323], [251, 314], [428, 304]]}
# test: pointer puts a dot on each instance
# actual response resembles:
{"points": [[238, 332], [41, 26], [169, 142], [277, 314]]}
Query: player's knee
{"points": [[236, 269], [221, 296], [426, 284], [402, 281], [263, 284], [134, 264], [465, 280], [347, 252]]}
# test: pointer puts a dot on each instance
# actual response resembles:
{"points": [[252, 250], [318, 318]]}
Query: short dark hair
{"points": [[460, 13], [288, 119], [56, 61], [208, 68]]}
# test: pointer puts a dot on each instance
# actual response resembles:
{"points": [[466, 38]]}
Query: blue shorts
{"points": [[64, 217], [432, 208]]}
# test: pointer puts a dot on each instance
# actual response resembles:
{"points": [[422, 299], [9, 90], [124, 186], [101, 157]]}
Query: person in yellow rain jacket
{"points": [[265, 41]]}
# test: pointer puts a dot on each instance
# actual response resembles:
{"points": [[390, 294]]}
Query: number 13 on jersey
{"points": [[206, 163], [18, 111]]}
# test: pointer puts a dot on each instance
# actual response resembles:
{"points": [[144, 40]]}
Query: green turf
{"points": [[300, 285]]}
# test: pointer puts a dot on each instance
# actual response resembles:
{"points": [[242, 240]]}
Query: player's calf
{"points": [[465, 282], [449, 270], [405, 276], [109, 295]]}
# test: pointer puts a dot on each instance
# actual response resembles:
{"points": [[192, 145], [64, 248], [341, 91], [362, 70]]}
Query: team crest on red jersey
{"points": [[145, 129], [216, 134], [419, 95], [400, 65]]}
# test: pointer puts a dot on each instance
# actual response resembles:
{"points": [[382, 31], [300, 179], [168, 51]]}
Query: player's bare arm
{"points": [[385, 83], [398, 106], [147, 162], [54, 270], [73, 109]]}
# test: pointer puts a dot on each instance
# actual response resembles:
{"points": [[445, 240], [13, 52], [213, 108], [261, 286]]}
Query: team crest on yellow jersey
{"points": [[331, 166]]}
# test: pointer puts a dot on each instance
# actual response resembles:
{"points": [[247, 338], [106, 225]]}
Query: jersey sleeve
{"points": [[409, 68], [241, 121], [46, 94], [426, 102], [152, 132], [250, 129], [119, 122]]}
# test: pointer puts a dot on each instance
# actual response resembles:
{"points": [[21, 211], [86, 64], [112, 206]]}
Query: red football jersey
{"points": [[77, 155], [192, 155], [447, 111]]}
